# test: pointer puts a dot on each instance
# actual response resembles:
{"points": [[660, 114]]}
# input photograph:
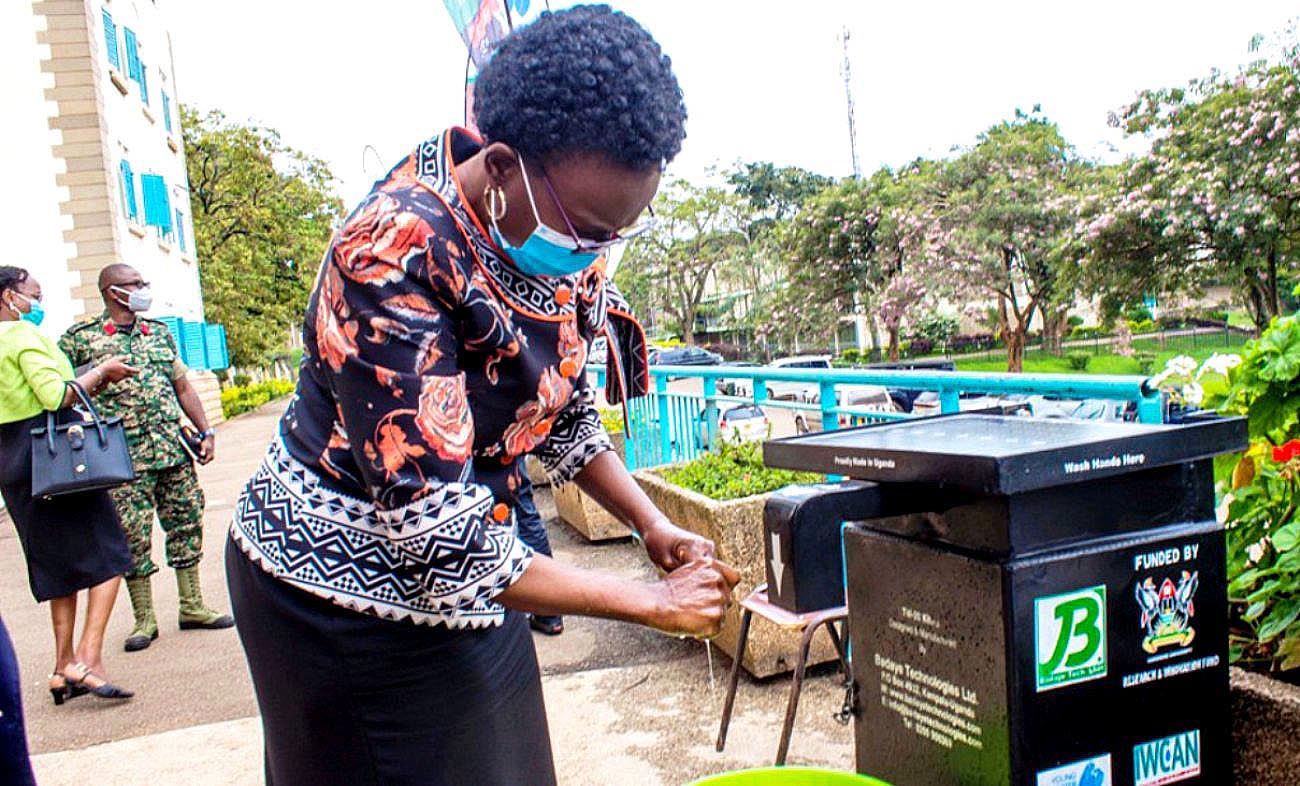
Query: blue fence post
{"points": [[1151, 408], [830, 421], [710, 413], [949, 401], [665, 432]]}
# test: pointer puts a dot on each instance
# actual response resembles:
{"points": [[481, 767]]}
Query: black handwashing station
{"points": [[1031, 602]]}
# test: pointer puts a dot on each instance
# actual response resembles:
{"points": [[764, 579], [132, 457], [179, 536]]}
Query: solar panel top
{"points": [[1001, 454]]}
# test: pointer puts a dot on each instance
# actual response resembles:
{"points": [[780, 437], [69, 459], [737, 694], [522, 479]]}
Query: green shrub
{"points": [[937, 328], [1082, 332], [612, 419], [1074, 321], [1137, 313], [851, 356], [242, 380], [1142, 326], [735, 471], [1263, 530], [1078, 359], [241, 399], [1146, 361]]}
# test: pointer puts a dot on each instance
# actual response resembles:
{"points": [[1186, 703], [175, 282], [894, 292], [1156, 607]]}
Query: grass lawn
{"points": [[1239, 318], [1105, 363]]}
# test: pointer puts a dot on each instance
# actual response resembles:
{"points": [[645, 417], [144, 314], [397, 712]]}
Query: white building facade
{"points": [[94, 165]]}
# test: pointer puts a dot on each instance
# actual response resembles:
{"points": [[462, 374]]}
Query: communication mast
{"points": [[848, 95]]}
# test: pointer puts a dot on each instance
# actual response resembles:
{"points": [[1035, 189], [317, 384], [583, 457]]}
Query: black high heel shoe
{"points": [[66, 691], [106, 690]]}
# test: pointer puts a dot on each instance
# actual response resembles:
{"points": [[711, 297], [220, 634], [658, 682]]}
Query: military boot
{"points": [[146, 624], [194, 615]]}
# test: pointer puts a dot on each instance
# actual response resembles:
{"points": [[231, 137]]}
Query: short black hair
{"points": [[108, 271], [11, 277], [587, 79]]}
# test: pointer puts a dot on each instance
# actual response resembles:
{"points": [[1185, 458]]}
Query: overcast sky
{"points": [[762, 79]]}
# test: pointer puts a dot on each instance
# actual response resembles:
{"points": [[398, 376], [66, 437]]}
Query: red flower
{"points": [[110, 328], [144, 328], [1287, 452]]}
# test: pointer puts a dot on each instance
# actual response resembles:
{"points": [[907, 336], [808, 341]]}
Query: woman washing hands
{"points": [[379, 582]]}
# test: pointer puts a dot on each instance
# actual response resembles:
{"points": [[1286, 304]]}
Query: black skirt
{"points": [[72, 541], [350, 699]]}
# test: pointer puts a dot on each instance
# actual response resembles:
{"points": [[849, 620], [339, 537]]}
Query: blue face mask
{"points": [[545, 252], [35, 310]]}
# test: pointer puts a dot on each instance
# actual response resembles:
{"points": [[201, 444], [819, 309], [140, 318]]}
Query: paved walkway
{"points": [[626, 705]]}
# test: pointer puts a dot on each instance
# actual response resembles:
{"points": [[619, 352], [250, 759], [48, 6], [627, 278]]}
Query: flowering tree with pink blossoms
{"points": [[998, 225], [848, 251], [1217, 200]]}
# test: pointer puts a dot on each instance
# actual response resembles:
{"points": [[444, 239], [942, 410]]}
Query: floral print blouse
{"points": [[431, 367]]}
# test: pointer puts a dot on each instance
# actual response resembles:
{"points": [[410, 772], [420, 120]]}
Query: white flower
{"points": [[1219, 364], [1221, 511], [1181, 365], [1255, 551], [1193, 394]]}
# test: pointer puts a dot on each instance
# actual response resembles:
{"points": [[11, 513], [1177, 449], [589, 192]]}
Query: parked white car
{"points": [[874, 398], [788, 391], [741, 423]]}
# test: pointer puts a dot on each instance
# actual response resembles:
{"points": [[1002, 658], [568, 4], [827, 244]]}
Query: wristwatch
{"points": [[209, 433]]}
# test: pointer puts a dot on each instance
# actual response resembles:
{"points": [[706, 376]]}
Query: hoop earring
{"points": [[496, 203]]}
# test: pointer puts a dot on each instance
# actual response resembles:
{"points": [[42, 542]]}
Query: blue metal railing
{"points": [[668, 426]]}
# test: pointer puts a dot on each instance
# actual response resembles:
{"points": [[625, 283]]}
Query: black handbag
{"points": [[72, 457]]}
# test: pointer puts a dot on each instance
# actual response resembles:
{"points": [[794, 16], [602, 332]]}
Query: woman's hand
{"points": [[115, 369], [694, 598], [669, 546]]}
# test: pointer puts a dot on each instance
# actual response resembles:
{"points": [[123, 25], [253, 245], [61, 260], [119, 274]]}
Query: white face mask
{"points": [[137, 300]]}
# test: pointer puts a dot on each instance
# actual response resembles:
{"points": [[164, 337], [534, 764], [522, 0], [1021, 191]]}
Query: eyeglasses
{"points": [[137, 284], [584, 246]]}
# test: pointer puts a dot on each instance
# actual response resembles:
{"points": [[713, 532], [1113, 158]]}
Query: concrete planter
{"points": [[583, 513], [736, 526], [1265, 730]]}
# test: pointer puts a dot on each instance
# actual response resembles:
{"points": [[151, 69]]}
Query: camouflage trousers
{"points": [[175, 495]]}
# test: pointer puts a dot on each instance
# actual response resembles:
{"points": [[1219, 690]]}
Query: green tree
{"points": [[776, 193], [855, 248], [703, 234], [1001, 217], [263, 214]]}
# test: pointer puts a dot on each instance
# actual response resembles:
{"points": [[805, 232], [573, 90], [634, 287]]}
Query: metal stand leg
{"points": [[734, 680], [795, 687], [839, 648]]}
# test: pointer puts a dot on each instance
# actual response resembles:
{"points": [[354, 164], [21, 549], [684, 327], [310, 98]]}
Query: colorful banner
{"points": [[481, 25]]}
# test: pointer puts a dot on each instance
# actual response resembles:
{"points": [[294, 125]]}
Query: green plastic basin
{"points": [[788, 776]]}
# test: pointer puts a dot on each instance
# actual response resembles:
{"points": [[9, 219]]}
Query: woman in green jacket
{"points": [[74, 541]]}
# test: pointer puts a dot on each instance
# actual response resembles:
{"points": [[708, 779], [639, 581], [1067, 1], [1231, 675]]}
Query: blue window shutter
{"points": [[157, 205], [192, 351], [167, 111], [110, 41], [144, 84], [128, 188], [180, 230], [174, 327], [212, 347], [132, 54]]}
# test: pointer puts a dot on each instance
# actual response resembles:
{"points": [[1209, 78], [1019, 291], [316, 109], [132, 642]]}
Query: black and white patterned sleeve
{"points": [[576, 438]]}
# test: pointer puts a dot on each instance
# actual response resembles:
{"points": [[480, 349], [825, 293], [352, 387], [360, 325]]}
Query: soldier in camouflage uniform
{"points": [[150, 405]]}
